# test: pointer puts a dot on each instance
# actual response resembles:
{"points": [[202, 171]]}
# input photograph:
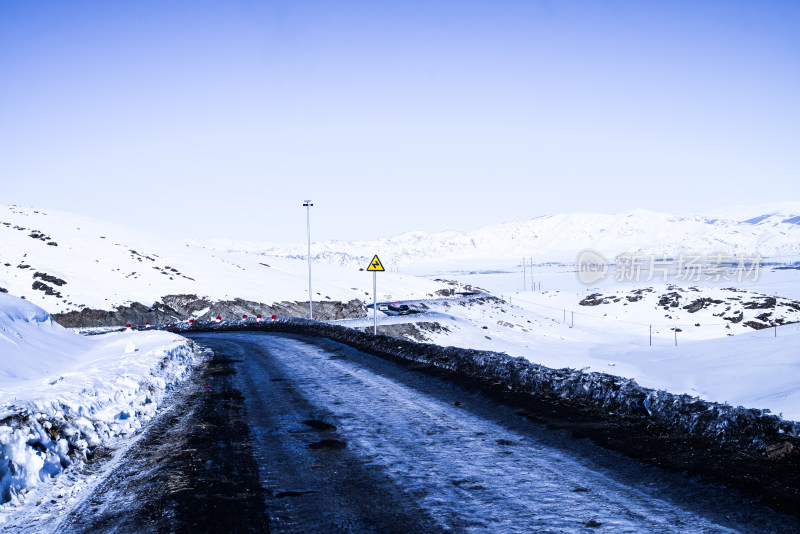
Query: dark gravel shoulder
{"points": [[192, 471]]}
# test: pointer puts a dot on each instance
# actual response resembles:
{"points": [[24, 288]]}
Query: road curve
{"points": [[461, 461], [323, 438]]}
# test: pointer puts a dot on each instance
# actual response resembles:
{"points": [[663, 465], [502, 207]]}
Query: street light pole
{"points": [[307, 204]]}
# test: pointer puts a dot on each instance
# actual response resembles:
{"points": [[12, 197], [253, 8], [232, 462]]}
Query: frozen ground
{"points": [[718, 357], [65, 398]]}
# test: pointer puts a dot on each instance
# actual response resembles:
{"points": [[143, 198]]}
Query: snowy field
{"points": [[63, 397], [703, 353]]}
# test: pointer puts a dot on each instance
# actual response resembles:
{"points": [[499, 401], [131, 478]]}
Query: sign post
{"points": [[375, 265], [307, 204]]}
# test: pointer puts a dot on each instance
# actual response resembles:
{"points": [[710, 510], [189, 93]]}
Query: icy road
{"points": [[282, 433]]}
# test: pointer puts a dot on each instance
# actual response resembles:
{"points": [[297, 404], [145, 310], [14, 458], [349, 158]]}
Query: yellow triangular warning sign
{"points": [[375, 264]]}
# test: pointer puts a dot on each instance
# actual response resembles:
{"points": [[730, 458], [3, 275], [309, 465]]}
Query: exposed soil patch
{"points": [[41, 286], [760, 304], [735, 318], [670, 300], [697, 305], [595, 299], [50, 278]]}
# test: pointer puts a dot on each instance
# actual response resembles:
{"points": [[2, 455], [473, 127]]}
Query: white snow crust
{"points": [[63, 395]]}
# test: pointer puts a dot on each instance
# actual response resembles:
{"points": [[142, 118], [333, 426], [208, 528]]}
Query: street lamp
{"points": [[307, 204]]}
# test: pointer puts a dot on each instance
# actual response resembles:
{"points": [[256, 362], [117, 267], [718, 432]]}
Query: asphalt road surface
{"points": [[284, 433]]}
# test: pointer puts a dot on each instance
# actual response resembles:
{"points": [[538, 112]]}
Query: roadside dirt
{"points": [[193, 470]]}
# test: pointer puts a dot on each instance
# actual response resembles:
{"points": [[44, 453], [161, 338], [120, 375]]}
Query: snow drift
{"points": [[63, 396]]}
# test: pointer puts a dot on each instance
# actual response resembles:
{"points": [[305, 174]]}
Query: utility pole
{"points": [[307, 204], [533, 284]]}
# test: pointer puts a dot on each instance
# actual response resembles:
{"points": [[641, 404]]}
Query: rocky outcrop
{"points": [[410, 331], [699, 304], [176, 308]]}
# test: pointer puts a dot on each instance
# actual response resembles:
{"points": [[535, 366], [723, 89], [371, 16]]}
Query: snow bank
{"points": [[32, 345], [64, 396], [755, 368]]}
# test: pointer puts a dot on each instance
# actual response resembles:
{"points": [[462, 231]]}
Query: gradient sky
{"points": [[218, 118]]}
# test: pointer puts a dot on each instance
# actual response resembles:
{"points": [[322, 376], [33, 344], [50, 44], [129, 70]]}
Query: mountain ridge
{"points": [[775, 234]]}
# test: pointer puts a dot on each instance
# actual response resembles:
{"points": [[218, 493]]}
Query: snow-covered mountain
{"points": [[771, 214], [772, 230], [64, 262]]}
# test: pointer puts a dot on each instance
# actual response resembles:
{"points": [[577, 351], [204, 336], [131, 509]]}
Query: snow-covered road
{"points": [[444, 456]]}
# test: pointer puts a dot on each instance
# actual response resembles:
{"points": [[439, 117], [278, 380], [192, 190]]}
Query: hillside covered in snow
{"points": [[67, 263]]}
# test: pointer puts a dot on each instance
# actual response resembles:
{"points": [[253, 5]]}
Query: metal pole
{"points": [[524, 276], [308, 205], [375, 300]]}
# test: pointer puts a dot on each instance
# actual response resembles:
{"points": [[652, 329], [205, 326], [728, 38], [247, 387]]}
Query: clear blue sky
{"points": [[218, 118]]}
